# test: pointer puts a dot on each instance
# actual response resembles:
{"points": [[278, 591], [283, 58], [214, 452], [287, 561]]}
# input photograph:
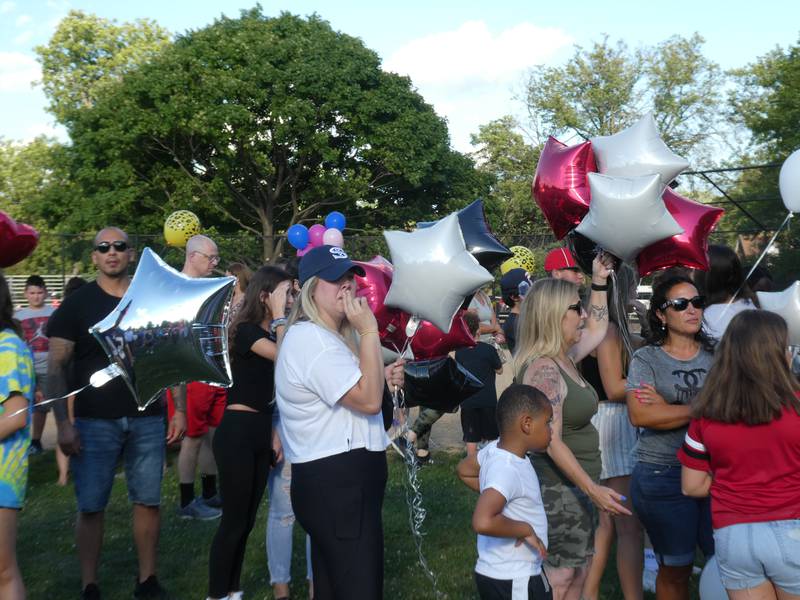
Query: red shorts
{"points": [[205, 405]]}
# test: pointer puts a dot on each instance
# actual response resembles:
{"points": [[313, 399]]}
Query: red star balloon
{"points": [[560, 185], [431, 342], [687, 249], [374, 286], [17, 240]]}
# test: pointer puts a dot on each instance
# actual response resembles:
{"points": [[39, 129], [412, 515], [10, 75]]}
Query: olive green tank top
{"points": [[577, 432]]}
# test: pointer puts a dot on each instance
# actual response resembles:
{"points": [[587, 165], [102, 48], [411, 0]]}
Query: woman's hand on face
{"points": [[395, 374], [602, 265], [358, 314], [647, 394], [276, 300]]}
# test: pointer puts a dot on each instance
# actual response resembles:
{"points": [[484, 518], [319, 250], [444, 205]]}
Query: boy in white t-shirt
{"points": [[509, 517]]}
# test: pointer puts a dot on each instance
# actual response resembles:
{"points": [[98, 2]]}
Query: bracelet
{"points": [[280, 322], [599, 288], [363, 333]]}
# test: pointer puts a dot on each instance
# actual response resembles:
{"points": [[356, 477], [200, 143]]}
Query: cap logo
{"points": [[338, 253]]}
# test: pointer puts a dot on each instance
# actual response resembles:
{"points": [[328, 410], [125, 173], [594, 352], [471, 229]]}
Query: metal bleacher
{"points": [[55, 288]]}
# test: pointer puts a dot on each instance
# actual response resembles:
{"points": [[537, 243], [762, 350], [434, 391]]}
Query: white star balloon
{"points": [[627, 214], [433, 272], [637, 150], [787, 305]]}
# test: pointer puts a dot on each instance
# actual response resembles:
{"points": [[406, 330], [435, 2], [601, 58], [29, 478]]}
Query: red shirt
{"points": [[756, 468]]}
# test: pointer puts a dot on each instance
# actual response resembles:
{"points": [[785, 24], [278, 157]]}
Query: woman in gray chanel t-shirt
{"points": [[663, 378]]}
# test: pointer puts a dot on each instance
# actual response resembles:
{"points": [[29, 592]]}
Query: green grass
{"points": [[49, 561]]}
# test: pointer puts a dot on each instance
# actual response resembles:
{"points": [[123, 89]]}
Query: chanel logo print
{"points": [[687, 385]]}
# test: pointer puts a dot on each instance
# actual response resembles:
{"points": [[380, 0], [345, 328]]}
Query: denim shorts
{"points": [[749, 554], [676, 524], [137, 442]]}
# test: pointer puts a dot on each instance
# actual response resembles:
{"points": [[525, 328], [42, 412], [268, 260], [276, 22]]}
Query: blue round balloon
{"points": [[335, 220], [298, 236]]}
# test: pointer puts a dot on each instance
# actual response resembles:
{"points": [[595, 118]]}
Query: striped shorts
{"points": [[617, 439]]}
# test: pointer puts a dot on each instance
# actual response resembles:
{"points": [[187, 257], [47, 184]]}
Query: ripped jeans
{"points": [[280, 523]]}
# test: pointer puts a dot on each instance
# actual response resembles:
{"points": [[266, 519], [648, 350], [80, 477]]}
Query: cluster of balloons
{"points": [[612, 192], [304, 238], [418, 300], [17, 240], [179, 227]]}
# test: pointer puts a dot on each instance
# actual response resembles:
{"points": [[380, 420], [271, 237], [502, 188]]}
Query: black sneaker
{"points": [[149, 589], [35, 448], [91, 592]]}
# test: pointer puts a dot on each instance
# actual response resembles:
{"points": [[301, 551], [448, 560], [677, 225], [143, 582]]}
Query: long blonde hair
{"points": [[305, 309], [539, 323]]}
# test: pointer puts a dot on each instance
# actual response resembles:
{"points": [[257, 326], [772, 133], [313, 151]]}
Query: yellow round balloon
{"points": [[523, 259], [180, 226]]}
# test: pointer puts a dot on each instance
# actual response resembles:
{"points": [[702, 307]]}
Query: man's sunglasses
{"points": [[104, 247], [681, 304], [576, 307]]}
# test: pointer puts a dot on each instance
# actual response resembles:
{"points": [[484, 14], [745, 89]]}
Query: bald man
{"points": [[205, 405], [109, 428]]}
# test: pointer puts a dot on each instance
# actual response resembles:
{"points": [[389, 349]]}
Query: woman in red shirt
{"points": [[743, 446]]}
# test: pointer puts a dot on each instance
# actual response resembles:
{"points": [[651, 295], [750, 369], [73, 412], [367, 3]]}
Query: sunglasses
{"points": [[104, 247], [576, 307], [681, 304]]}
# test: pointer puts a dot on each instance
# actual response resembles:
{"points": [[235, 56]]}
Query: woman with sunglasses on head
{"points": [[663, 379], [743, 446], [554, 334], [329, 388], [244, 441]]}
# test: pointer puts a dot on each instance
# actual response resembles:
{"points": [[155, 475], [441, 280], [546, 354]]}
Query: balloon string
{"points": [[48, 401], [416, 509], [758, 262]]}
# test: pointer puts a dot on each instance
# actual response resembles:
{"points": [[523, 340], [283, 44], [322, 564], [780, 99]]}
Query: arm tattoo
{"points": [[599, 313], [548, 381], [59, 356]]}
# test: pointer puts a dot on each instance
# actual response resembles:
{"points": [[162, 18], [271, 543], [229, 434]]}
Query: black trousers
{"points": [[535, 588], [338, 501], [243, 451]]}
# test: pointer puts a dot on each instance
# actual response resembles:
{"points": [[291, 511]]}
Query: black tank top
{"points": [[590, 370]]}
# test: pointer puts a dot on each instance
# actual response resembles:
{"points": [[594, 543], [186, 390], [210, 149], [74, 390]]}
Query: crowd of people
{"points": [[684, 429]]}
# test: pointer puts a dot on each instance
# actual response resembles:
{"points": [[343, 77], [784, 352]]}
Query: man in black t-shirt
{"points": [[108, 428], [513, 286]]}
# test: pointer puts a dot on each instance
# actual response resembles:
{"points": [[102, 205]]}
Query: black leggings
{"points": [[338, 501], [243, 451]]}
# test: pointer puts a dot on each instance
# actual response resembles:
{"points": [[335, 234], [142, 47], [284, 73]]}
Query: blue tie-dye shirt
{"points": [[16, 375]]}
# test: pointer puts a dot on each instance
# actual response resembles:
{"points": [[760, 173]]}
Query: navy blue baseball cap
{"points": [[326, 262]]}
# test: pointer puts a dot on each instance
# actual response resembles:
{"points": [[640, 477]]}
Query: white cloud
{"points": [[23, 20], [17, 71], [7, 7], [23, 38], [468, 74]]}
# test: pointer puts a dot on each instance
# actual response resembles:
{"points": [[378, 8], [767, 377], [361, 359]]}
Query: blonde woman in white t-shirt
{"points": [[329, 388]]}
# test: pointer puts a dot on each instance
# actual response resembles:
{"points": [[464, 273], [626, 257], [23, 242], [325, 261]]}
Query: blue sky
{"points": [[467, 58]]}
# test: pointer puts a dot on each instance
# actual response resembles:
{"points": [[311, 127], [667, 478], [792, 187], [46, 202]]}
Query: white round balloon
{"points": [[789, 182], [711, 587], [787, 305]]}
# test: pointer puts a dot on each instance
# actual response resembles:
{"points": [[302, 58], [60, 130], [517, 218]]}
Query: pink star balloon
{"points": [[687, 249], [560, 185]]}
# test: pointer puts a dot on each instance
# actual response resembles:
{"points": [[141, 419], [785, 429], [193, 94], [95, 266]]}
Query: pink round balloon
{"points": [[315, 234], [333, 237]]}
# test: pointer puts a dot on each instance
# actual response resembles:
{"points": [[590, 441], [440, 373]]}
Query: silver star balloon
{"points": [[637, 150], [167, 329], [787, 305], [433, 272], [627, 214]]}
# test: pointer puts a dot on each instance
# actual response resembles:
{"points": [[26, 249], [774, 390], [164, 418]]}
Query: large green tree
{"points": [[606, 87], [258, 123], [766, 101], [88, 54]]}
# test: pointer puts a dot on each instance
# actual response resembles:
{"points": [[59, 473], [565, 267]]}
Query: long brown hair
{"points": [[254, 309], [750, 381]]}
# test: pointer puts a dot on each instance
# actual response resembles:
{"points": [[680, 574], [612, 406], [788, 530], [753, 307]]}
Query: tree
{"points": [[259, 123], [605, 88], [503, 156], [87, 54], [766, 101]]}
